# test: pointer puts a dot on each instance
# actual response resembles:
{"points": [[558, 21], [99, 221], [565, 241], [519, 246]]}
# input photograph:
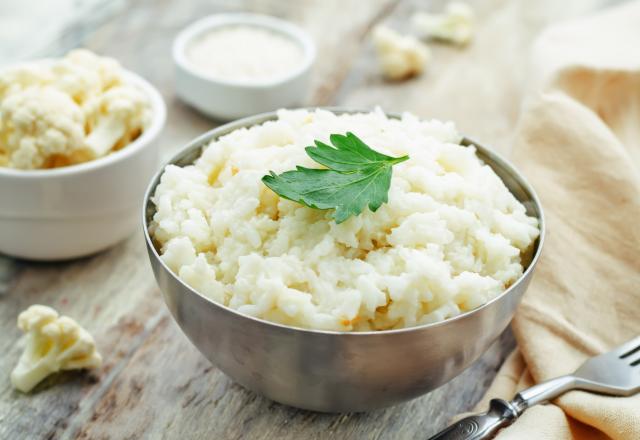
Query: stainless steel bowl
{"points": [[332, 371]]}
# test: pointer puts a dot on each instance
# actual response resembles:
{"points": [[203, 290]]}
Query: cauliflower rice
{"points": [[450, 238]]}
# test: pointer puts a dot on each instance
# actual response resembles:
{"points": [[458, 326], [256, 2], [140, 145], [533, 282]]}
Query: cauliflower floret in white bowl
{"points": [[60, 112], [77, 148], [38, 125]]}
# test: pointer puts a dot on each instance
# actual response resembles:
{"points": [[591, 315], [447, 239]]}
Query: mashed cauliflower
{"points": [[449, 239]]}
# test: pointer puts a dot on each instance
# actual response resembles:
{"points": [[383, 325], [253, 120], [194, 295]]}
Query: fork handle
{"points": [[545, 391], [481, 426], [502, 413]]}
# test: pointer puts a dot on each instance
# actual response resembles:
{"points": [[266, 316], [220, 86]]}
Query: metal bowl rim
{"points": [[260, 118]]}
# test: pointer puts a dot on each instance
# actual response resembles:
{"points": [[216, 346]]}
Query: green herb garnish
{"points": [[357, 176]]}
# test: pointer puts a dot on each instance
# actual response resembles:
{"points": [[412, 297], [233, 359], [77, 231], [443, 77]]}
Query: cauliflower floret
{"points": [[455, 25], [80, 83], [40, 127], [399, 56], [54, 343], [116, 118], [17, 78], [108, 70], [61, 112]]}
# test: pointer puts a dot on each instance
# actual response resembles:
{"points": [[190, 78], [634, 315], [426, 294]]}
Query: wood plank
{"points": [[112, 294], [191, 399]]}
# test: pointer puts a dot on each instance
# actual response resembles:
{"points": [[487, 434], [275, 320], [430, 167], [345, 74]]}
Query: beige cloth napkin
{"points": [[578, 142]]}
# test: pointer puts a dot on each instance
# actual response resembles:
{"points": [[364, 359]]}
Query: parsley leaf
{"points": [[357, 177]]}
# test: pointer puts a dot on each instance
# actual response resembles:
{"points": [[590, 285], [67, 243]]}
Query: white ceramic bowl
{"points": [[227, 99], [81, 209]]}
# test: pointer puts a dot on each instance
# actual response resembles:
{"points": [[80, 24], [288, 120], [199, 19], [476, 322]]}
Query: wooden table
{"points": [[154, 383]]}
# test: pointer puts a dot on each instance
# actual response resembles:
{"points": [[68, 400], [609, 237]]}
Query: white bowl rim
{"points": [[159, 111], [249, 121], [199, 27]]}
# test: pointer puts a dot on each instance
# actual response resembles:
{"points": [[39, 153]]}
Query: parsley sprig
{"points": [[356, 177]]}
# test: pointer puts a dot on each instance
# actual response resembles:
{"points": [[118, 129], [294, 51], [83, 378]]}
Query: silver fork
{"points": [[616, 373]]}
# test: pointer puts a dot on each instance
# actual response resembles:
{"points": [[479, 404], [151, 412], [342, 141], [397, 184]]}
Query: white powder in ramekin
{"points": [[244, 53], [450, 238]]}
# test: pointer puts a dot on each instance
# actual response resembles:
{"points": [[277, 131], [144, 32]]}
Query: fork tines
{"points": [[628, 349]]}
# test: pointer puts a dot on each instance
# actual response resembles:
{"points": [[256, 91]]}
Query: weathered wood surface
{"points": [[154, 383]]}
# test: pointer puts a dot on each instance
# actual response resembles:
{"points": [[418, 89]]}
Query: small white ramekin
{"points": [[227, 99], [81, 209]]}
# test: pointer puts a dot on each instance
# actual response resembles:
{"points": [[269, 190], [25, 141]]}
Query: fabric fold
{"points": [[578, 143]]}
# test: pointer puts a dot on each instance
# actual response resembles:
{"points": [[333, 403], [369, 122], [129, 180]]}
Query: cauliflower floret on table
{"points": [[40, 127], [54, 343], [455, 25], [399, 56]]}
